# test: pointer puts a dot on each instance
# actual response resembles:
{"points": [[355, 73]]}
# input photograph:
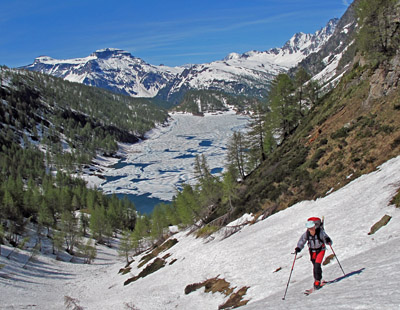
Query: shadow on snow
{"points": [[347, 275]]}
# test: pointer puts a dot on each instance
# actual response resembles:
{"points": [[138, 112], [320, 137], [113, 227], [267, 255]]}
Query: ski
{"points": [[311, 290]]}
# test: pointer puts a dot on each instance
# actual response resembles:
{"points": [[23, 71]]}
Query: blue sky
{"points": [[173, 32]]}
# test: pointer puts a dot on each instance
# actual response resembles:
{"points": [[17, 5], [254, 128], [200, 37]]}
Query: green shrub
{"points": [[366, 133], [206, 231], [309, 189], [387, 129], [318, 174], [396, 199], [339, 167], [395, 143], [316, 157], [367, 121], [323, 142], [300, 176], [341, 133]]}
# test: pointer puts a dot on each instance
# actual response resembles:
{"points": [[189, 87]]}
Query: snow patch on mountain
{"points": [[241, 74], [110, 68]]}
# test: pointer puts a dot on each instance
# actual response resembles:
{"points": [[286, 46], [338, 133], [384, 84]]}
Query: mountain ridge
{"points": [[245, 74]]}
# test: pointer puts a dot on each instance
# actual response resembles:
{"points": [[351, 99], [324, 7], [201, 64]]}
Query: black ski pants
{"points": [[316, 257]]}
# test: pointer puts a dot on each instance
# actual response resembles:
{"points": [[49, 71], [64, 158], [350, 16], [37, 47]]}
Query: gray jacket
{"points": [[315, 242]]}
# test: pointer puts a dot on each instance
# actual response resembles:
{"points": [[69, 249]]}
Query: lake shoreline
{"points": [[156, 167]]}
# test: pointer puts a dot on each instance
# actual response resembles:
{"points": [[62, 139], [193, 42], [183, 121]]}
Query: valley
{"points": [[257, 257], [131, 186], [152, 170]]}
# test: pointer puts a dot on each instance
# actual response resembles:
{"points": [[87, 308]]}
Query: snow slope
{"points": [[250, 257]]}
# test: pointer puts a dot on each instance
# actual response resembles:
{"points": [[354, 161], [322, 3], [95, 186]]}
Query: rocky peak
{"points": [[302, 41], [110, 52]]}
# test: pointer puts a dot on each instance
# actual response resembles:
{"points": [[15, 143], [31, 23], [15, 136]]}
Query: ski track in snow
{"points": [[247, 258]]}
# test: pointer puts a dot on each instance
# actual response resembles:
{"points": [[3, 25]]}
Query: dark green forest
{"points": [[50, 130], [200, 101]]}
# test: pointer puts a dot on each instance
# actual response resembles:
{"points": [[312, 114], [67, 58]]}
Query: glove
{"points": [[328, 240], [297, 250]]}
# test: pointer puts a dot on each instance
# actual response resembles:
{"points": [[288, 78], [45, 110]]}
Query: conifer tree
{"points": [[158, 222], [186, 205], [282, 105], [141, 232], [75, 205], [236, 155], [229, 187], [58, 242], [129, 213], [209, 188], [84, 223], [171, 215], [125, 245], [98, 223], [88, 251], [256, 137], [300, 80], [45, 217], [69, 227]]}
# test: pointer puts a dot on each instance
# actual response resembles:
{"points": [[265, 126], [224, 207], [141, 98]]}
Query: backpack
{"points": [[319, 223]]}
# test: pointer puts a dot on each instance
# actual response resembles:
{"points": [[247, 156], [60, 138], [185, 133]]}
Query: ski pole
{"points": [[287, 286], [337, 259]]}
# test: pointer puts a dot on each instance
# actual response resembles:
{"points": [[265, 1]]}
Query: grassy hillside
{"points": [[353, 130]]}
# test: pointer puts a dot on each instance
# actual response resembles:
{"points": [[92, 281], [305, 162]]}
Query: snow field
{"points": [[169, 154], [246, 258]]}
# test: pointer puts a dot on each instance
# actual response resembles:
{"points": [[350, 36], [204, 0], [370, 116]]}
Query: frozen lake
{"points": [[154, 168]]}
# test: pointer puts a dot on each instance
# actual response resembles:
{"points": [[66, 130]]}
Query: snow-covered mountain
{"points": [[336, 55], [112, 69], [250, 73], [245, 74]]}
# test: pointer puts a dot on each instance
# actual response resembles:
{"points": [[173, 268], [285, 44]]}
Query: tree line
{"points": [[50, 129], [210, 201], [61, 115], [62, 207], [200, 101], [272, 121]]}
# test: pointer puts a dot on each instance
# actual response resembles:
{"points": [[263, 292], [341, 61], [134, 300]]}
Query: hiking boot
{"points": [[317, 285]]}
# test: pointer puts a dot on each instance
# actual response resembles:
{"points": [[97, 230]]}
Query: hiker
{"points": [[316, 238]]}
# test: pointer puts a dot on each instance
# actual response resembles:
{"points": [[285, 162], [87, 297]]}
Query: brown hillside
{"points": [[355, 129]]}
